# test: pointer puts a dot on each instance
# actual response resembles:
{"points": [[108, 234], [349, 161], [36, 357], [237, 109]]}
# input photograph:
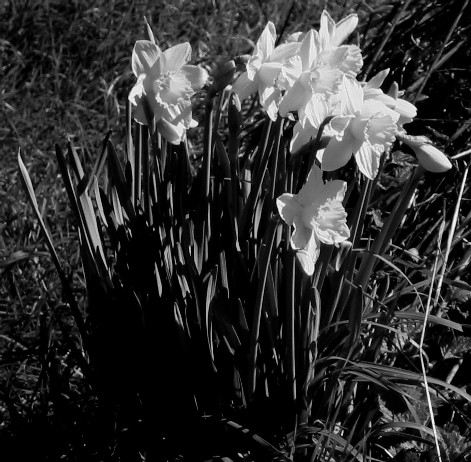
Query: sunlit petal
{"points": [[344, 28], [270, 99], [288, 208], [144, 55], [407, 111], [181, 114], [377, 80], [368, 159], [315, 111], [334, 190], [309, 255], [244, 87], [302, 234], [283, 52], [337, 125], [253, 65], [290, 72], [352, 96], [137, 90], [172, 133], [196, 75], [326, 29], [268, 73], [301, 136], [309, 49], [266, 42], [174, 58], [338, 152], [295, 97]]}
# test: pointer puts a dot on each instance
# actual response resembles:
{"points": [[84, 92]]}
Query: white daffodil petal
{"points": [[270, 99], [181, 115], [284, 52], [338, 125], [338, 152], [244, 87], [377, 80], [196, 75], [351, 95], [266, 42], [308, 256], [291, 70], [378, 95], [315, 111], [405, 109], [137, 90], [309, 49], [368, 159], [301, 136], [311, 188], [294, 98], [288, 208], [334, 190], [144, 55], [326, 29], [253, 65], [307, 260], [174, 58], [139, 115], [172, 133], [302, 234], [344, 28], [268, 73]]}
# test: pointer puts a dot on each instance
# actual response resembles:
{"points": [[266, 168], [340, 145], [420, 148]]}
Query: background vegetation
{"points": [[65, 70]]}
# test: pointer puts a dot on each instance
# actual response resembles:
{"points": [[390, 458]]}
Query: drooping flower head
{"points": [[165, 84], [317, 215]]}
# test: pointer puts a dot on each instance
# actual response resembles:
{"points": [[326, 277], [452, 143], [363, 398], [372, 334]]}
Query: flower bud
{"points": [[223, 76], [431, 158]]}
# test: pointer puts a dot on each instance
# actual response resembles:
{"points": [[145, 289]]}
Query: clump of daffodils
{"points": [[313, 76]]}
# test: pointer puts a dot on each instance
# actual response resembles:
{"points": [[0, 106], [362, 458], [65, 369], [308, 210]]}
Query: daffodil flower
{"points": [[269, 71], [317, 215], [317, 82], [370, 130], [165, 84], [346, 58], [407, 111]]}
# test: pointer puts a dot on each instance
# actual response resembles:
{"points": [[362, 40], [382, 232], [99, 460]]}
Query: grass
{"points": [[67, 73]]}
